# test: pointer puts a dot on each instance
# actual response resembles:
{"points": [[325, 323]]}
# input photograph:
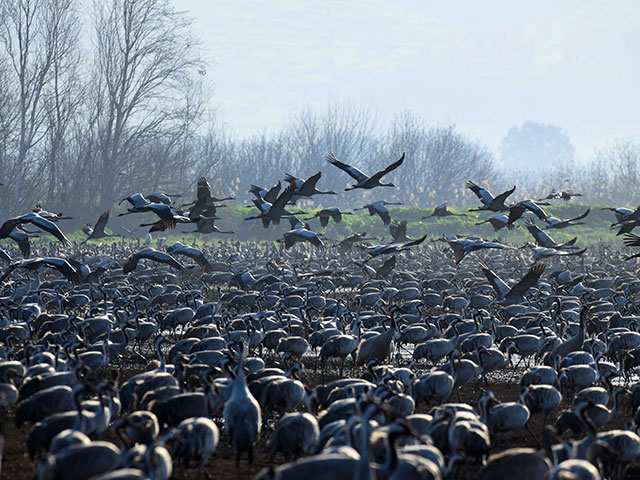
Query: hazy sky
{"points": [[485, 65]]}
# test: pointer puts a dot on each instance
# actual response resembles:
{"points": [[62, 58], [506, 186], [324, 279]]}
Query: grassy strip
{"points": [[594, 231]]}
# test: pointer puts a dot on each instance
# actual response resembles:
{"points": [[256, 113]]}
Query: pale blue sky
{"points": [[485, 65]]}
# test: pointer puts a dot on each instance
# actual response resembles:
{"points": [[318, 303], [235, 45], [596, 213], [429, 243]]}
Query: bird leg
{"points": [[526, 425], [515, 369]]}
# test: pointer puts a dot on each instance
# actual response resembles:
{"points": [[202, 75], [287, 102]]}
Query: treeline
{"points": [[82, 127]]}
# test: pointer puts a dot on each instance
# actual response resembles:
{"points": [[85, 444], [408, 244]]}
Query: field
{"points": [[221, 466]]}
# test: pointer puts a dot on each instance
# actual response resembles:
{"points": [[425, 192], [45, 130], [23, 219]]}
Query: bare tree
{"points": [[439, 160], [145, 58], [64, 95], [8, 117], [30, 31], [622, 158]]}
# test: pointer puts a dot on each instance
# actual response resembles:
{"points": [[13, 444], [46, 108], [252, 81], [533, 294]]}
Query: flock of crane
{"points": [[344, 362]]}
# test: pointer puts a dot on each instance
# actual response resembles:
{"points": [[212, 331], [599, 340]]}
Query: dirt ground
{"points": [[221, 466]]}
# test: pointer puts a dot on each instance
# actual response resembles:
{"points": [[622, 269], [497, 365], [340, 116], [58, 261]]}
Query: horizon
{"points": [[476, 68]]}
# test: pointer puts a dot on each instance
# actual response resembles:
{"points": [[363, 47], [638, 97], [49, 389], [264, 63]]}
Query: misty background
{"points": [[102, 99]]}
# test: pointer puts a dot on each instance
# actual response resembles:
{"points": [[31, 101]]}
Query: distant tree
{"points": [[622, 159], [535, 146], [439, 159]]}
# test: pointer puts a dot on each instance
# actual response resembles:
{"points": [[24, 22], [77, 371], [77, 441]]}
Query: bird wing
{"points": [[390, 168], [324, 218], [503, 196], [481, 244], [164, 212], [136, 200], [159, 197], [290, 178], [384, 215], [482, 193], [257, 190], [5, 256], [568, 244], [203, 192], [386, 267], [46, 225], [131, 263], [197, 256], [415, 242], [551, 196], [102, 222], [402, 229], [22, 239], [8, 226], [580, 217], [197, 210], [459, 252], [496, 282], [541, 237], [272, 193], [310, 183], [284, 197], [353, 172], [569, 253], [627, 227], [534, 208], [393, 230], [315, 240], [289, 240], [160, 257], [528, 281], [515, 212], [631, 240], [64, 267]]}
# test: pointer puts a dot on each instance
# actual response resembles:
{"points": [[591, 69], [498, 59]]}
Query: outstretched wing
{"points": [[499, 285], [415, 242], [503, 196], [284, 198], [384, 216], [22, 239], [310, 183], [102, 222], [515, 212], [46, 225], [386, 267], [8, 226], [353, 172], [631, 240], [272, 193], [528, 281], [482, 193], [164, 212], [534, 208], [203, 193], [389, 169], [540, 237], [64, 267], [580, 217]]}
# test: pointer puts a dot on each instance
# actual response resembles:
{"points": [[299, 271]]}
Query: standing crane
{"points": [[242, 417]]}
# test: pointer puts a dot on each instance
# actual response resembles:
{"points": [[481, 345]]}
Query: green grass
{"points": [[595, 230]]}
